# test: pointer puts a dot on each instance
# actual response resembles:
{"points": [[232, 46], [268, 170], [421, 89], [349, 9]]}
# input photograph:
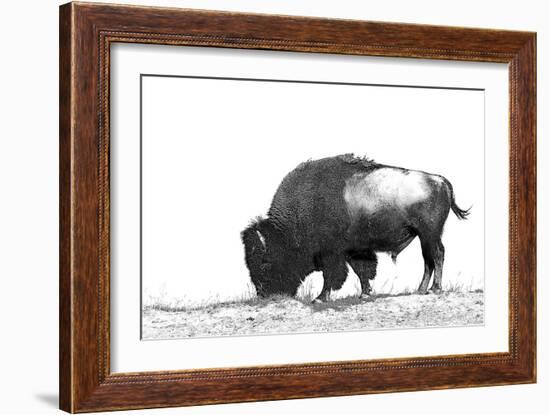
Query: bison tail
{"points": [[460, 213]]}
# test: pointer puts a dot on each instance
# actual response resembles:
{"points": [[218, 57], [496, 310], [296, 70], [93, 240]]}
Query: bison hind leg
{"points": [[439, 258], [433, 253]]}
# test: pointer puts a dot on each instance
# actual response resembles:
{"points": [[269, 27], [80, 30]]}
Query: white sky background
{"points": [[214, 152]]}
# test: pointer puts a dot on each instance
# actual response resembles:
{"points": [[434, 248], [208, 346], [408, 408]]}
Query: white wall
{"points": [[28, 214]]}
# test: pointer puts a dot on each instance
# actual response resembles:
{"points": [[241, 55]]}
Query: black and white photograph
{"points": [[281, 205]]}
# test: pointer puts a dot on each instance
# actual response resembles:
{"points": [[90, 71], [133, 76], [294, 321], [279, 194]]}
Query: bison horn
{"points": [[262, 239], [254, 248]]}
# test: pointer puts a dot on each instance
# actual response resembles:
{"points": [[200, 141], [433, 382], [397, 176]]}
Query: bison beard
{"points": [[341, 210]]}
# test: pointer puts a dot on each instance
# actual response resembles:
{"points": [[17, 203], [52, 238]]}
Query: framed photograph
{"points": [[258, 207]]}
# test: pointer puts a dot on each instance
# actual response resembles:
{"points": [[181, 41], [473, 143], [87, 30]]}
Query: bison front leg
{"points": [[335, 272]]}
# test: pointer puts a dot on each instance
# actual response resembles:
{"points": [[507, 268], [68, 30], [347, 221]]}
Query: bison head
{"points": [[269, 259]]}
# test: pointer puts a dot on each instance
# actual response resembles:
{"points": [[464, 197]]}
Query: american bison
{"points": [[341, 210]]}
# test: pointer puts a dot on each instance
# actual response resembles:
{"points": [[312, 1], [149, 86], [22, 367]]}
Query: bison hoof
{"points": [[435, 290], [317, 301], [422, 291], [365, 296]]}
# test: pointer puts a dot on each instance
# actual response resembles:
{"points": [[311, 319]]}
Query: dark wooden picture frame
{"points": [[86, 33]]}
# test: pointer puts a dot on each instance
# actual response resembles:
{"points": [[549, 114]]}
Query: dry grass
{"points": [[163, 302], [307, 292], [282, 314]]}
